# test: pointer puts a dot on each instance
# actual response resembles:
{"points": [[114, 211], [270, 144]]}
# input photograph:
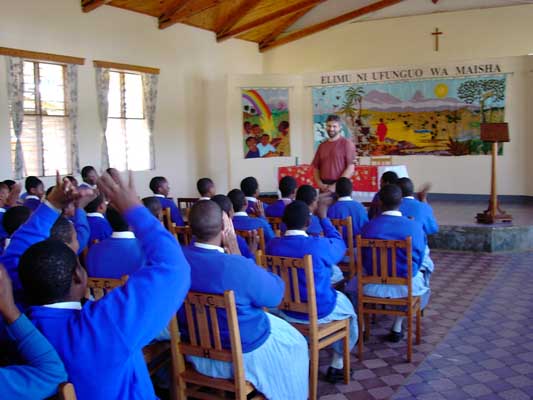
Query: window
{"points": [[45, 134], [127, 134]]}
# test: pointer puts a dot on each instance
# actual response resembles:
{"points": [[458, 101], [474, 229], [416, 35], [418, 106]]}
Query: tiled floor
{"points": [[477, 340]]}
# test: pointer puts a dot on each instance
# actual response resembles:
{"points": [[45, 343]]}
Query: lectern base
{"points": [[488, 217]]}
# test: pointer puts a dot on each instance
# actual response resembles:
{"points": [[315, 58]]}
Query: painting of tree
{"points": [[475, 91]]}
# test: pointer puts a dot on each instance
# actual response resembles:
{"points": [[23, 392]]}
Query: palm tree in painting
{"points": [[352, 96]]}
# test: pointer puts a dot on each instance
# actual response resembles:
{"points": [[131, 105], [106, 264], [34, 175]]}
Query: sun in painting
{"points": [[441, 90]]}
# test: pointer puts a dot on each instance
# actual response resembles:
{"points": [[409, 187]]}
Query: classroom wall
{"points": [[189, 131], [475, 35]]}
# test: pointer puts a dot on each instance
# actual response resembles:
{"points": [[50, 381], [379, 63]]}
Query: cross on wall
{"points": [[437, 33]]}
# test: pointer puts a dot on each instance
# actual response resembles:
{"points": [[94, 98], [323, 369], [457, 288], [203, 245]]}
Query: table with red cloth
{"points": [[365, 179]]}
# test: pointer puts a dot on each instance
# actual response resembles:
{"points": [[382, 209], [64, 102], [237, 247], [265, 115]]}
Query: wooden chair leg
{"points": [[418, 322], [367, 326], [313, 372], [361, 333], [346, 354], [409, 334]]}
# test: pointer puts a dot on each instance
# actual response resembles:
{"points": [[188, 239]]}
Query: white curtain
{"points": [[102, 90], [72, 101], [15, 93], [150, 100]]}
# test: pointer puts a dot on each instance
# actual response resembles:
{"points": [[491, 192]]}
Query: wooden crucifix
{"points": [[436, 34]]}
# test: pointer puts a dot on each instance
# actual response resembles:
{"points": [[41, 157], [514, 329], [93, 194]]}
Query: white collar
{"points": [[2, 210], [6, 243], [95, 214], [286, 199], [252, 199], [345, 198], [65, 305], [296, 232], [409, 197], [159, 195], [31, 196], [123, 235], [240, 214], [204, 198], [209, 247], [392, 213]]}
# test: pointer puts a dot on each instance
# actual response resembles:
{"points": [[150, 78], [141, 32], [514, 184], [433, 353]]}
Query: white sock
{"points": [[397, 327], [337, 361]]}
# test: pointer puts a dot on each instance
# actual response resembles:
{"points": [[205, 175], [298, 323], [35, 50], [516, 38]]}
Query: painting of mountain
{"points": [[434, 116]]}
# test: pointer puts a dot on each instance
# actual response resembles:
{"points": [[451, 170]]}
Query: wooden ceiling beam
{"points": [[89, 5], [291, 37], [236, 16], [278, 30], [180, 10], [267, 18]]}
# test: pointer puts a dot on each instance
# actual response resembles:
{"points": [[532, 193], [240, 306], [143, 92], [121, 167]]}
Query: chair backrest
{"points": [[384, 256], [268, 199], [275, 223], [382, 160], [251, 235], [186, 202], [288, 269], [183, 234], [167, 218], [99, 287], [204, 333], [345, 228]]}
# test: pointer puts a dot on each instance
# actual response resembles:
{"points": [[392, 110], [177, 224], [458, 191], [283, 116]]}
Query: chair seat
{"points": [[337, 328], [389, 301], [196, 378]]}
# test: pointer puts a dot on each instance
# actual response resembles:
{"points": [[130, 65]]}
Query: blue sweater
{"points": [[246, 223], [31, 203], [43, 371], [243, 247], [390, 227], [115, 257], [81, 225], [342, 209], [101, 344], [326, 251], [100, 228], [215, 272], [276, 209], [421, 212], [175, 213]]}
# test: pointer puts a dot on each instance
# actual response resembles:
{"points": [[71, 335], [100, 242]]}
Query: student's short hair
{"points": [[343, 187], [406, 185], [389, 177], [85, 171], [10, 183], [32, 182], [45, 270], [203, 185], [296, 215], [48, 191], [287, 185], [307, 194], [14, 217], [153, 204], [224, 202], [237, 199], [156, 182], [249, 186], [265, 134], [4, 185], [390, 196], [93, 205], [117, 222], [205, 219], [333, 118], [72, 180], [62, 230]]}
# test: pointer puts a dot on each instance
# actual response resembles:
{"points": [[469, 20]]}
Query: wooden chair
{"points": [[319, 335], [251, 235], [381, 160], [384, 271], [167, 219], [65, 392], [205, 341], [183, 234], [268, 199], [345, 228], [275, 223], [186, 202], [157, 354]]}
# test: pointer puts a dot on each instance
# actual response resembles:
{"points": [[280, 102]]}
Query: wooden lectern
{"points": [[494, 132]]}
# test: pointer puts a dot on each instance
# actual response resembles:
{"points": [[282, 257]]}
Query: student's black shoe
{"points": [[335, 375], [395, 337]]}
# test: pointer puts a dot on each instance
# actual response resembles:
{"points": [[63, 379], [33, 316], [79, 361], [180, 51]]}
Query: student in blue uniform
{"points": [[287, 189], [159, 186], [388, 178], [4, 194], [241, 220], [118, 255], [391, 225], [35, 192], [101, 343], [268, 342], [98, 224], [42, 371], [225, 204], [206, 188], [309, 195], [89, 176], [345, 206], [250, 188], [14, 217], [326, 251]]}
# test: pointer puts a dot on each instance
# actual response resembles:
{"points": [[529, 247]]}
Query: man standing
{"points": [[334, 157]]}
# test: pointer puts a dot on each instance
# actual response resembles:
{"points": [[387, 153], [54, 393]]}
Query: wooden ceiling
{"points": [[260, 21]]}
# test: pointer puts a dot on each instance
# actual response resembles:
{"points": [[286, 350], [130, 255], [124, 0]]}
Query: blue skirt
{"points": [[279, 368]]}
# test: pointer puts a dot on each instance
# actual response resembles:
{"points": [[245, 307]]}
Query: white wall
{"points": [[189, 130], [468, 36]]}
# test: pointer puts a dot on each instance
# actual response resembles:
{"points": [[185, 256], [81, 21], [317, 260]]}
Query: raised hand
{"points": [[422, 194], [229, 238], [84, 196], [122, 195], [8, 309], [62, 193], [14, 195], [259, 210]]}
